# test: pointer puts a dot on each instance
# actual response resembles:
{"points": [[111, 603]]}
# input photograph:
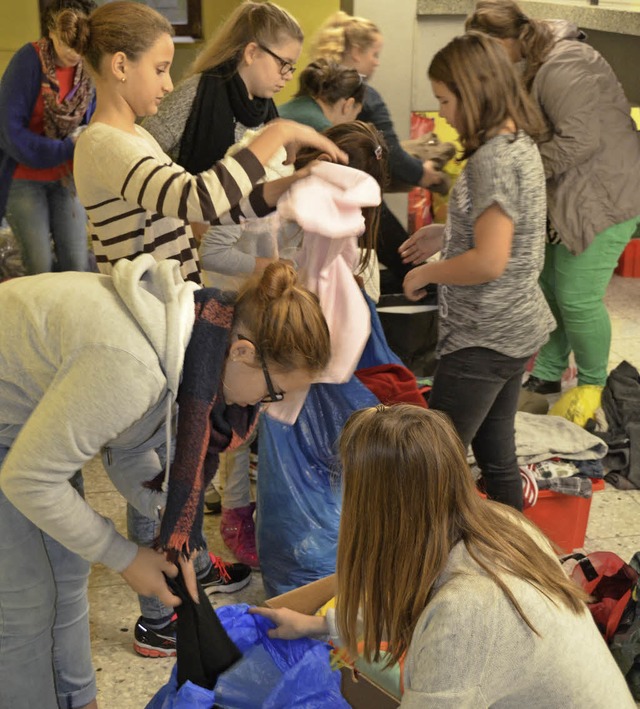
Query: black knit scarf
{"points": [[206, 425], [221, 101]]}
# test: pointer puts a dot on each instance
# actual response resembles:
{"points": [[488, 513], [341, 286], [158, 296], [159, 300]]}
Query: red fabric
{"points": [[392, 384]]}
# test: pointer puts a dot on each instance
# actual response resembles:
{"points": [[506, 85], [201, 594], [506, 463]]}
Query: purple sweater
{"points": [[19, 90]]}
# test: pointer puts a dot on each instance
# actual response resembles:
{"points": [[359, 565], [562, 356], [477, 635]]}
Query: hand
{"points": [[297, 135], [292, 625], [430, 175], [262, 262], [415, 281], [145, 576], [422, 245], [199, 229]]}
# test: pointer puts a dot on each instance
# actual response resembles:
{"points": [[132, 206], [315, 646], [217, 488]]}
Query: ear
{"points": [[242, 351], [118, 65], [347, 106], [249, 53]]}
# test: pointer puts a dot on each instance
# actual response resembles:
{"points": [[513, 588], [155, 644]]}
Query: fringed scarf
{"points": [[206, 425], [62, 115]]}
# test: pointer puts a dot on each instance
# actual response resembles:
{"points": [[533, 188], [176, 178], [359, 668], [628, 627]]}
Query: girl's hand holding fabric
{"points": [[145, 575], [292, 625], [420, 246], [415, 282]]}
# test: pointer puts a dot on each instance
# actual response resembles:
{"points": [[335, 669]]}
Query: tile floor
{"points": [[127, 681]]}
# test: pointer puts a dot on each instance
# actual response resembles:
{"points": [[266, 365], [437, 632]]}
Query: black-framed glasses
{"points": [[273, 396], [285, 66]]}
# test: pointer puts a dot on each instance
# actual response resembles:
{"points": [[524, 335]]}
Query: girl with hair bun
{"points": [[46, 100], [466, 591], [153, 339], [329, 94]]}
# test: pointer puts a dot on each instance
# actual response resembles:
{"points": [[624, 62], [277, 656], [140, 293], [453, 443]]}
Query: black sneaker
{"points": [[212, 501], [542, 386], [225, 578], [155, 643]]}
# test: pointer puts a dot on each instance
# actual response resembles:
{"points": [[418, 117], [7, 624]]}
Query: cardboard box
{"points": [[360, 693]]}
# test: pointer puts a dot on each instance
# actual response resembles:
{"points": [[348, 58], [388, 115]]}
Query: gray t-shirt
{"points": [[508, 315]]}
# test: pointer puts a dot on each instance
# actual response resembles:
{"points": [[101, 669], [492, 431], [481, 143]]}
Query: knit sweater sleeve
{"points": [[19, 91], [50, 448], [133, 167], [168, 124]]}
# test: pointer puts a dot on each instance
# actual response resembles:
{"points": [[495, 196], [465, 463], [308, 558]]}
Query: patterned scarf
{"points": [[206, 425], [62, 115]]}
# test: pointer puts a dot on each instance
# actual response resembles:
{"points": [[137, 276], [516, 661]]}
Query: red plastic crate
{"points": [[629, 262], [563, 518]]}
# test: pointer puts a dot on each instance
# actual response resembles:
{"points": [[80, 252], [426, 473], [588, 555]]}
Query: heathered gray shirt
{"points": [[508, 315]]}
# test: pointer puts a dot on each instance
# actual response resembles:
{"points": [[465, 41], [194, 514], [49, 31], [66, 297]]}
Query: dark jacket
{"points": [[19, 90]]}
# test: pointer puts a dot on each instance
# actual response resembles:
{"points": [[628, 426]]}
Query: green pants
{"points": [[574, 287]]}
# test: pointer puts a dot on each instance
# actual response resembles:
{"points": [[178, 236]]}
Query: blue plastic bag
{"points": [[299, 492], [273, 674]]}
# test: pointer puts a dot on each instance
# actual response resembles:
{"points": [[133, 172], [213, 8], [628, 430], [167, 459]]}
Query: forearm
{"points": [[468, 269]]}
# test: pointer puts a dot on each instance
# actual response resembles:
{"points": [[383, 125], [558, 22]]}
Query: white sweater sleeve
{"points": [[82, 410]]}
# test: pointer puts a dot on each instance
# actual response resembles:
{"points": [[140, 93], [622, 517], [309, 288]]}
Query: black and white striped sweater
{"points": [[139, 201]]}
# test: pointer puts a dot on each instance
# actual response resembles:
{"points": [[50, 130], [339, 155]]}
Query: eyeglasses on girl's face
{"points": [[285, 66], [273, 396]]}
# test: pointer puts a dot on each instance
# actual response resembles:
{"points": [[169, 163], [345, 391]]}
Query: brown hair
{"points": [[408, 498], [53, 9], [340, 33], [329, 82], [504, 19], [261, 22], [285, 320], [477, 70], [128, 27], [367, 151]]}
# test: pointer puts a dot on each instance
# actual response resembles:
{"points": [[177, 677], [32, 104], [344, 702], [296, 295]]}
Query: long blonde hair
{"points": [[504, 19], [477, 70], [340, 33], [261, 22], [408, 498], [285, 320]]}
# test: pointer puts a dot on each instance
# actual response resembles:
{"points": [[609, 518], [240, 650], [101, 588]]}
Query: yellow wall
{"points": [[19, 24]]}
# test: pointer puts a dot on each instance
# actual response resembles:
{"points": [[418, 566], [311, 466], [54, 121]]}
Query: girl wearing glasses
{"points": [[139, 201], [108, 358], [229, 87]]}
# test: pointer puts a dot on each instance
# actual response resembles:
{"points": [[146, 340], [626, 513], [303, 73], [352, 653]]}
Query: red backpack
{"points": [[610, 581]]}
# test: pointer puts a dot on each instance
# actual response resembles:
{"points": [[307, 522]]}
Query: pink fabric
{"points": [[328, 206]]}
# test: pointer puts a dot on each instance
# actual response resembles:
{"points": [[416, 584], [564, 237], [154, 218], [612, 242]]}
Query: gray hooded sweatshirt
{"points": [[87, 362], [592, 161]]}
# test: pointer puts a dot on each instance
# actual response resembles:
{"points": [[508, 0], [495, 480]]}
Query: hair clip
{"points": [[378, 152]]}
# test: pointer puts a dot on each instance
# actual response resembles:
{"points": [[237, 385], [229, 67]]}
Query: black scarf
{"points": [[221, 101]]}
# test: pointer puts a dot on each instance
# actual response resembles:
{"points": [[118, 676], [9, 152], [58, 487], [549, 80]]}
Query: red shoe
{"points": [[239, 534]]}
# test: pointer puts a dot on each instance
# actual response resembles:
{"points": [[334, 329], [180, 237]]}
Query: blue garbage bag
{"points": [[298, 489], [272, 674]]}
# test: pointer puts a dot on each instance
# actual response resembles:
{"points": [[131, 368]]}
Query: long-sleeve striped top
{"points": [[139, 201]]}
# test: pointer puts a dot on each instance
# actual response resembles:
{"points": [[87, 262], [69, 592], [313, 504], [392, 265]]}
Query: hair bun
{"points": [[278, 278]]}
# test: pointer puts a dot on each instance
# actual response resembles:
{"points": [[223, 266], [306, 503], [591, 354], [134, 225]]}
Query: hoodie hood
{"points": [[162, 304]]}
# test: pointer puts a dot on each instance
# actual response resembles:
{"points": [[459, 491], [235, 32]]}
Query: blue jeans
{"points": [[478, 388], [45, 648], [38, 212]]}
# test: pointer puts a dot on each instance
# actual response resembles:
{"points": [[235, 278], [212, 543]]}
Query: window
{"points": [[184, 15]]}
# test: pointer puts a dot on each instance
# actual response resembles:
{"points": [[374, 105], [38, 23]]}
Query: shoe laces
{"points": [[221, 566]]}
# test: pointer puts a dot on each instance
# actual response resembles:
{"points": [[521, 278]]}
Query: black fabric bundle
{"points": [[204, 649]]}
